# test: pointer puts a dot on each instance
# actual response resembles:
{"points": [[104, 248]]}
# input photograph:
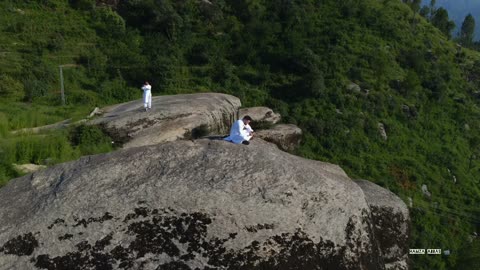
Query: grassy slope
{"points": [[374, 45]]}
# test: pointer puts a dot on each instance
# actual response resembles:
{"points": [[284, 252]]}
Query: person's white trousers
{"points": [[147, 99]]}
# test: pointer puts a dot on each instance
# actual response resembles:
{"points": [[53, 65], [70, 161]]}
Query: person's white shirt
{"points": [[249, 129], [147, 96], [239, 133], [146, 87]]}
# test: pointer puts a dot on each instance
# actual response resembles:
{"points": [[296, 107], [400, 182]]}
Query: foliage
{"points": [[90, 140], [442, 22], [10, 89], [298, 57], [467, 31]]}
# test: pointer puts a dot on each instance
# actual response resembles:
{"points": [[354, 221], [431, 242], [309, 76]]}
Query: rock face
{"points": [[260, 114], [391, 221], [171, 118], [286, 137], [189, 205]]}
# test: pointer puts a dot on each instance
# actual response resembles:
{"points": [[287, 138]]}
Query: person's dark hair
{"points": [[246, 117]]}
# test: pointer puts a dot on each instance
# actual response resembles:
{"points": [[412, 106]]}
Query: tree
{"points": [[10, 89], [442, 22], [432, 8], [415, 6], [467, 31]]}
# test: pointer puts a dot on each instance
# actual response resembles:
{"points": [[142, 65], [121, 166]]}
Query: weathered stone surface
{"points": [[260, 114], [188, 205], [171, 118], [286, 137], [391, 221]]}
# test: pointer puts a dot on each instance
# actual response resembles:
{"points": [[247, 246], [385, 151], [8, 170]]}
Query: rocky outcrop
{"points": [[391, 221], [171, 118], [189, 205], [286, 136], [260, 114]]}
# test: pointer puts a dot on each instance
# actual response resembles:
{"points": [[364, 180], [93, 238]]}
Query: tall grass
{"points": [[50, 148]]}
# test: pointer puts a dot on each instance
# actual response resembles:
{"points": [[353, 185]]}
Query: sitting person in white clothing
{"points": [[241, 131]]}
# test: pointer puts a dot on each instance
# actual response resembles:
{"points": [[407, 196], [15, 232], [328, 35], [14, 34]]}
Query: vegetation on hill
{"points": [[458, 10], [335, 68]]}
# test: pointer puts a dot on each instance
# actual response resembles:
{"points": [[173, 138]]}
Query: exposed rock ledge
{"points": [[171, 118], [391, 222], [286, 136], [189, 205]]}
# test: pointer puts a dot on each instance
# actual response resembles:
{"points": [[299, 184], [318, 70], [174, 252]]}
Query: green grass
{"points": [[294, 56]]}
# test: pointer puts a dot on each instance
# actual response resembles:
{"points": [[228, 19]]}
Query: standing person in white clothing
{"points": [[147, 96], [241, 132]]}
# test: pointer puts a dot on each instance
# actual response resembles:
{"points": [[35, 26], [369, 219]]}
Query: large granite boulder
{"points": [[260, 114], [188, 205], [286, 136], [171, 118], [391, 221]]}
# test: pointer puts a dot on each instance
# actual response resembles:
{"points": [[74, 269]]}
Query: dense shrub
{"points": [[90, 140]]}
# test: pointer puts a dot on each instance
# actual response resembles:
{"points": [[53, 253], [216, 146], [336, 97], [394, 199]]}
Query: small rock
{"points": [[286, 137], [425, 191], [260, 114], [383, 133], [353, 87], [19, 11], [409, 111], [96, 111], [410, 202]]}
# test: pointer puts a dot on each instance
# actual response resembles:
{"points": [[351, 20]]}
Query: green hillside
{"points": [[335, 68]]}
